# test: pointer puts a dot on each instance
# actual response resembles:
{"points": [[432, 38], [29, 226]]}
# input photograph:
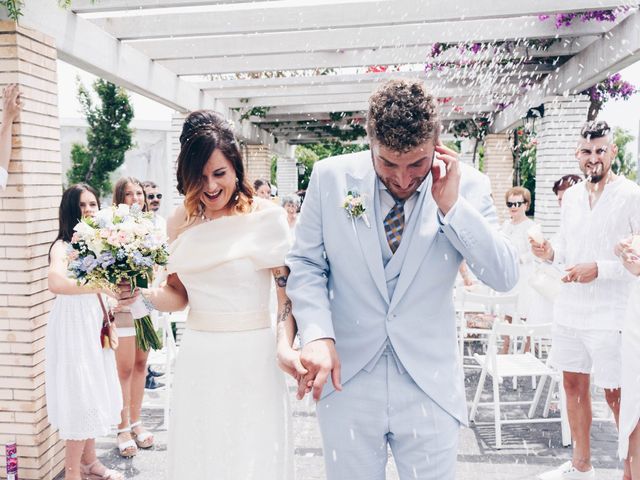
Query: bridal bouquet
{"points": [[120, 245]]}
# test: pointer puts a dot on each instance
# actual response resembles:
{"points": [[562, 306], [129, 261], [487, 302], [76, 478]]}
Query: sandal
{"points": [[89, 472], [128, 448], [144, 439]]}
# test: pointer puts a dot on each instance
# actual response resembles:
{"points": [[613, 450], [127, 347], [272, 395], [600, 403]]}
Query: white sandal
{"points": [[108, 474], [128, 448], [144, 439]]}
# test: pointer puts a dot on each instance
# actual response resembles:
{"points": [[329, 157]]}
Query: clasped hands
{"points": [[578, 273], [312, 366]]}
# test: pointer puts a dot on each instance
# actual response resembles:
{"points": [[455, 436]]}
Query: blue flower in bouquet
{"points": [[89, 263], [121, 254], [106, 259]]}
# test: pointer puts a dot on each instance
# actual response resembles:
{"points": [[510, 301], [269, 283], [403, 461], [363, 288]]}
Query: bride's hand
{"points": [[125, 296], [289, 362]]}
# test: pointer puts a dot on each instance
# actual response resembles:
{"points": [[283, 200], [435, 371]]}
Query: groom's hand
{"points": [[446, 178], [320, 358]]}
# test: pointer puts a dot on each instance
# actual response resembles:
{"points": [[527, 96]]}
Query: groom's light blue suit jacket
{"points": [[339, 286]]}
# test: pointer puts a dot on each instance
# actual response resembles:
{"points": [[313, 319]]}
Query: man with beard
{"points": [[154, 196], [588, 313], [378, 245]]}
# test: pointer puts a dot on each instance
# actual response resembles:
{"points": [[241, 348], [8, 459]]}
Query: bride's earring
{"points": [[237, 196]]}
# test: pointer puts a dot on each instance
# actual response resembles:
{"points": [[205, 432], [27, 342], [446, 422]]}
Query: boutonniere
{"points": [[353, 204]]}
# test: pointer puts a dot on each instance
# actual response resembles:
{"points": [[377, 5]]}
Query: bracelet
{"points": [[147, 303]]}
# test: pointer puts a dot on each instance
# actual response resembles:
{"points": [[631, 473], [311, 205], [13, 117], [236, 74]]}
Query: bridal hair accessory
{"points": [[353, 204]]}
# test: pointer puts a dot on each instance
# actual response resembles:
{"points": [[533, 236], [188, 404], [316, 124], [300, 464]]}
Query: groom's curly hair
{"points": [[402, 115]]}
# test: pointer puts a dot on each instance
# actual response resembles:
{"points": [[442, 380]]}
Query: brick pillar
{"points": [[28, 225], [558, 133], [287, 176], [498, 165], [258, 162], [177, 120]]}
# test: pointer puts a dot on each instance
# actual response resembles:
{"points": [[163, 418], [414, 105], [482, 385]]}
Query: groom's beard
{"points": [[400, 194]]}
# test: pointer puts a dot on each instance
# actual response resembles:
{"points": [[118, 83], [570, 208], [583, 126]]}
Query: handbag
{"points": [[547, 281], [108, 333]]}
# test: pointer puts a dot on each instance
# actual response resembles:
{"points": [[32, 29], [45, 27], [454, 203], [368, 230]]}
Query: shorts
{"points": [[595, 352]]}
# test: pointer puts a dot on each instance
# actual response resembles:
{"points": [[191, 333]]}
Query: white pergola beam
{"points": [[362, 106], [606, 56], [95, 6], [371, 37], [259, 96], [298, 61], [87, 46], [362, 78], [348, 98], [275, 18]]}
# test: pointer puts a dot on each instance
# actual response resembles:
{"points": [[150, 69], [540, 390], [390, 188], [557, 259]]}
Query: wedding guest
{"points": [[596, 214], [629, 435], [291, 204], [262, 188], [81, 381], [229, 409], [518, 200], [154, 197], [132, 361], [11, 106]]}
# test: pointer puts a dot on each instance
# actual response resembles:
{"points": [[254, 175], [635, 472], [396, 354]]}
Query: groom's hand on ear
{"points": [[446, 178], [320, 358]]}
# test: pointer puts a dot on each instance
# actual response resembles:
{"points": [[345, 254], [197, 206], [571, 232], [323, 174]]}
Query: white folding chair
{"points": [[484, 300], [513, 365], [167, 356]]}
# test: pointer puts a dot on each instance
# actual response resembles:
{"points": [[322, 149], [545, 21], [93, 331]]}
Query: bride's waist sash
{"points": [[210, 321]]}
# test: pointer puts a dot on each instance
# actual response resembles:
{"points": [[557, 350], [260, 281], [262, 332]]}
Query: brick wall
{"points": [[498, 165], [557, 139], [28, 224], [257, 162]]}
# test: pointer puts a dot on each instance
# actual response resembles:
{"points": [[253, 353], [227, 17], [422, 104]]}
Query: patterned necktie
{"points": [[394, 225]]}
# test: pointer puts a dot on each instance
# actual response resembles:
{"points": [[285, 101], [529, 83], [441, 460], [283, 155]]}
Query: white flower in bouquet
{"points": [[122, 210]]}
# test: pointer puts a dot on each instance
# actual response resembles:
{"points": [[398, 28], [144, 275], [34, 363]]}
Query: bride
{"points": [[229, 405]]}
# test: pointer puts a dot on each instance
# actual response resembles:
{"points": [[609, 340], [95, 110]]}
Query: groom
{"points": [[372, 290]]}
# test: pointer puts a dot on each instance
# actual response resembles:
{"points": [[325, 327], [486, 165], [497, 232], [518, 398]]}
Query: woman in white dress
{"points": [[132, 361], [518, 201], [229, 406], [81, 382], [629, 420]]}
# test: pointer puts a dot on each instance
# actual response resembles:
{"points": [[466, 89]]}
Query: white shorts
{"points": [[126, 331], [595, 352]]}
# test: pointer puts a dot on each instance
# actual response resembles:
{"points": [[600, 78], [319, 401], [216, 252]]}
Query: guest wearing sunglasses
{"points": [[153, 195], [518, 200]]}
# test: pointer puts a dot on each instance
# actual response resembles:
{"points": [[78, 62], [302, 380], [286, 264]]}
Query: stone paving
{"points": [[528, 449]]}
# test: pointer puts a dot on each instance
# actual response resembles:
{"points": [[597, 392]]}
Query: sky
{"points": [[625, 114]]}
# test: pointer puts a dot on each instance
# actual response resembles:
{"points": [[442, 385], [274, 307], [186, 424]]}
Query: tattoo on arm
{"points": [[286, 311], [281, 277]]}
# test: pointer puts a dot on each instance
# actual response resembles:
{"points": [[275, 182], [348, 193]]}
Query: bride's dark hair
{"points": [[203, 132]]}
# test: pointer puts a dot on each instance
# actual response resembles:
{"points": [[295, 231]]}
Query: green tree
{"points": [[108, 136], [307, 155], [623, 164]]}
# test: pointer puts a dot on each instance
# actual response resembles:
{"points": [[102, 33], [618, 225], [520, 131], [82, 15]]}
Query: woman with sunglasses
{"points": [[518, 200]]}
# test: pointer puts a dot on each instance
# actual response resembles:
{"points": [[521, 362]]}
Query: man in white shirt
{"points": [[11, 106], [588, 313], [154, 197]]}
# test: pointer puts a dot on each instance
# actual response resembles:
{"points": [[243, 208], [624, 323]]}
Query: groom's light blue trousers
{"points": [[381, 406]]}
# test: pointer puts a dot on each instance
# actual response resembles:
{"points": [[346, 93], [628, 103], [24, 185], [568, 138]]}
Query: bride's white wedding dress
{"points": [[630, 393], [229, 409]]}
